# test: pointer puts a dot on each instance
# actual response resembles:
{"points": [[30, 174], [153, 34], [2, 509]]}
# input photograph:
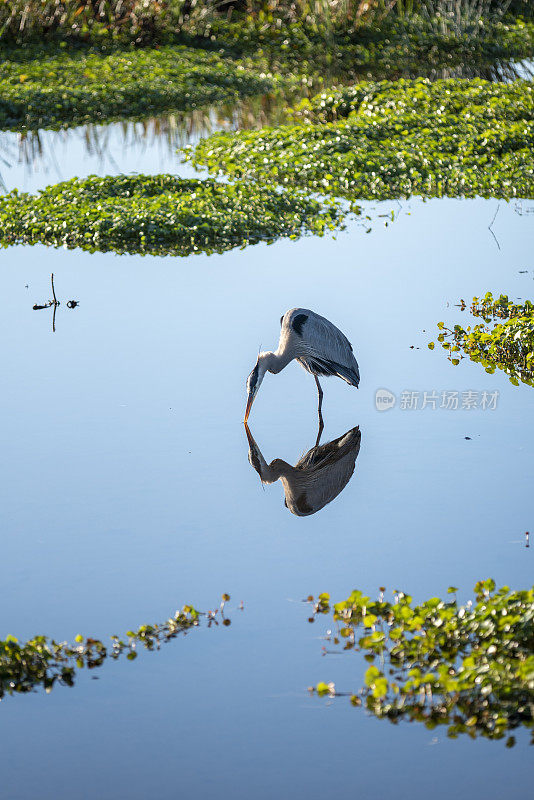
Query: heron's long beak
{"points": [[250, 400]]}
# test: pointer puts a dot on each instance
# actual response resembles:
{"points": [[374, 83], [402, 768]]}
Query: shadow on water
{"points": [[317, 478]]}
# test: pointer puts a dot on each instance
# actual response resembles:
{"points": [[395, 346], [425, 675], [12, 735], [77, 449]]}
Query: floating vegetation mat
{"points": [[51, 90], [393, 139], [159, 215], [43, 662], [505, 340], [468, 667]]}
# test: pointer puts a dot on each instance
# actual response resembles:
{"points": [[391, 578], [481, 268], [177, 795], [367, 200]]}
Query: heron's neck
{"points": [[269, 473], [275, 362]]}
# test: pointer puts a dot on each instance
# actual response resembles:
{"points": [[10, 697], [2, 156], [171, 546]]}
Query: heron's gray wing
{"points": [[322, 348], [323, 455], [321, 474]]}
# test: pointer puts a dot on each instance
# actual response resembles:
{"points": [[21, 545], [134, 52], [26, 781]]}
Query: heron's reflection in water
{"points": [[317, 478]]}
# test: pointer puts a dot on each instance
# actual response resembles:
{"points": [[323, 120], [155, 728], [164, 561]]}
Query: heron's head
{"points": [[254, 381]]}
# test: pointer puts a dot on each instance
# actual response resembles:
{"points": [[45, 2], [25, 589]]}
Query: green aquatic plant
{"points": [[469, 667], [159, 215], [478, 101], [455, 138], [54, 87], [43, 662], [507, 345], [55, 82], [298, 44]]}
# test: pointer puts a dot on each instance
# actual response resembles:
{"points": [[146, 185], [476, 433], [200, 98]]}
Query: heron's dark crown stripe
{"points": [[297, 322]]}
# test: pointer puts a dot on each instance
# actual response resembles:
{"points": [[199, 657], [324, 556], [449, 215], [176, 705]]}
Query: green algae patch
{"points": [[57, 88], [475, 98], [393, 139], [159, 215], [503, 341]]}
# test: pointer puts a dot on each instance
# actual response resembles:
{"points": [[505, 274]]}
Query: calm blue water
{"points": [[126, 492]]}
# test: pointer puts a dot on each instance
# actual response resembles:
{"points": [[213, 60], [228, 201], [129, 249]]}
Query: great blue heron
{"points": [[317, 478], [317, 345]]}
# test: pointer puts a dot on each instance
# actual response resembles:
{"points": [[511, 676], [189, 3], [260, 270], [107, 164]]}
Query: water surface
{"points": [[127, 491]]}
